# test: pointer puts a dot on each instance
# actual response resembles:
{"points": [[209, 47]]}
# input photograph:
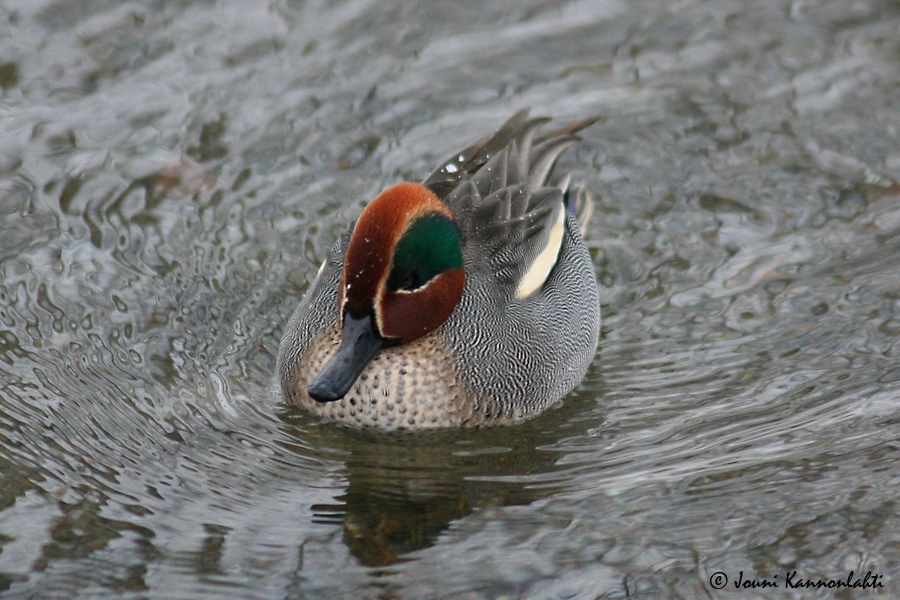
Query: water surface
{"points": [[172, 173]]}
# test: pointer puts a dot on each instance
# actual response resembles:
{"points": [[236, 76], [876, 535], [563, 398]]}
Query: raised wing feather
{"points": [[503, 184]]}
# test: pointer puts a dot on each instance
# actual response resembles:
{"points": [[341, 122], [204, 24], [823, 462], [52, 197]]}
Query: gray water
{"points": [[172, 173]]}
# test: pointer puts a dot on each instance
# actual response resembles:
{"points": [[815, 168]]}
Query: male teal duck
{"points": [[468, 299]]}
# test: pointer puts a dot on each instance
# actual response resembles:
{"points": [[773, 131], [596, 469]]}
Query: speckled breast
{"points": [[414, 386]]}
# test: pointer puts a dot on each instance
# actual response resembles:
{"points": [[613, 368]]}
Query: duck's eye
{"points": [[430, 246], [402, 281]]}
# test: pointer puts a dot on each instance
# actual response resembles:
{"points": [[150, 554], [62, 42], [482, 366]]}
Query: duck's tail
{"points": [[580, 204]]}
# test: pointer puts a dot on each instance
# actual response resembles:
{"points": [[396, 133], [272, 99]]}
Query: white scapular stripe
{"points": [[540, 268]]}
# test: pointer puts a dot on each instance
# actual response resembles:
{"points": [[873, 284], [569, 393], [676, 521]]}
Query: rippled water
{"points": [[172, 174]]}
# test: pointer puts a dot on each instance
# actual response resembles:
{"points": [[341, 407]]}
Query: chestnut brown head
{"points": [[403, 277]]}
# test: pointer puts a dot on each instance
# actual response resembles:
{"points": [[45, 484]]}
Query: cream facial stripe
{"points": [[540, 268]]}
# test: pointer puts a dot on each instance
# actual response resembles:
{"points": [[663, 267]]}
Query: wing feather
{"points": [[503, 184]]}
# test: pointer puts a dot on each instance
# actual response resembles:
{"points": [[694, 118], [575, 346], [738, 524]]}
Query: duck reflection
{"points": [[405, 488]]}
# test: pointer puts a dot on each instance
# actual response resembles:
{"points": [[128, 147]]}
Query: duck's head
{"points": [[403, 276]]}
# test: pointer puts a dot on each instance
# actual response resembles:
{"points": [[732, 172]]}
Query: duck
{"points": [[467, 299]]}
